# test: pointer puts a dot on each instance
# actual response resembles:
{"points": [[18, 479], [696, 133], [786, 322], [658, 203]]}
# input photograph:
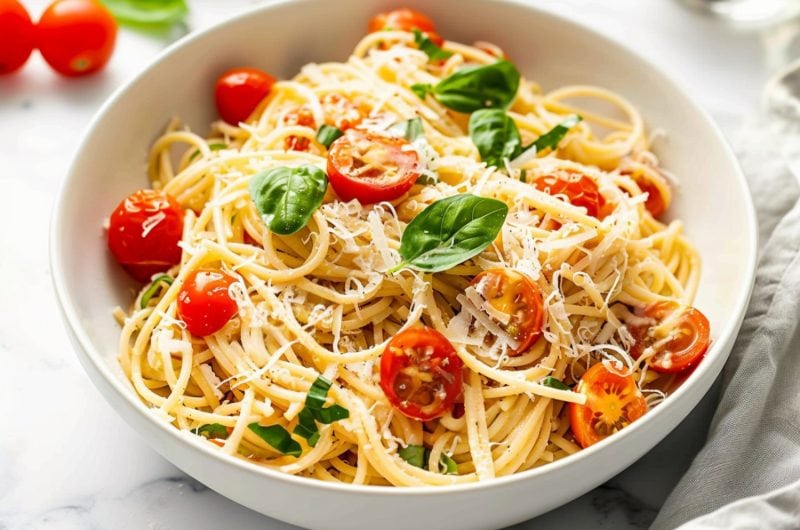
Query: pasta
{"points": [[322, 303]]}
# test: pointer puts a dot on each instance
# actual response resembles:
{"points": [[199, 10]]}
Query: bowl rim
{"points": [[91, 354]]}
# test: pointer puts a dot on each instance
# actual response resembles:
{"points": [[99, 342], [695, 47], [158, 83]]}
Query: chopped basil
{"points": [[434, 52], [475, 87], [315, 411], [214, 147], [523, 175], [277, 437], [551, 138], [153, 288], [327, 134], [451, 231], [427, 180], [418, 456], [552, 382], [212, 430], [148, 12], [287, 197], [409, 129]]}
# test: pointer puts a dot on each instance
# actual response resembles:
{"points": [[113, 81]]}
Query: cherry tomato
{"points": [[340, 112], [239, 91], [205, 303], [514, 294], [579, 189], [76, 37], [302, 116], [405, 19], [421, 373], [17, 36], [613, 402], [680, 345], [144, 231], [370, 167], [655, 203]]}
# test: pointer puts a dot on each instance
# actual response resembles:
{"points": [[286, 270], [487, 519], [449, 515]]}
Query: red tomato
{"points": [[340, 112], [405, 19], [144, 231], [76, 37], [370, 167], [655, 202], [205, 303], [17, 36], [302, 116], [239, 91], [613, 402], [514, 294], [579, 189], [421, 373], [680, 346]]}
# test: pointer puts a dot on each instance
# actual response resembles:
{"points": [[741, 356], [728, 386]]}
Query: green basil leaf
{"points": [[287, 197], [495, 135], [153, 288], [551, 138], [477, 87], [418, 456], [434, 52], [307, 427], [148, 12], [523, 175], [451, 231], [278, 437], [327, 134], [552, 382], [449, 466], [427, 180], [212, 430], [409, 129], [315, 410], [421, 89], [213, 147]]}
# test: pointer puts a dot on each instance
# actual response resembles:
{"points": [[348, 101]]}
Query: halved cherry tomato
{"points": [[144, 231], [239, 91], [370, 167], [17, 36], [302, 116], [76, 37], [514, 294], [682, 342], [205, 303], [613, 402], [340, 112], [421, 373], [656, 203], [405, 19], [580, 190]]}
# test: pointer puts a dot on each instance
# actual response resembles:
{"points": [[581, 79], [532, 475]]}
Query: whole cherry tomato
{"points": [[239, 91], [204, 301], [405, 19], [17, 36]]}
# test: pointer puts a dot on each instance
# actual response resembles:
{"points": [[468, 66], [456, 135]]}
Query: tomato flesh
{"points": [[144, 231], [76, 37], [18, 34], [655, 202], [405, 19], [204, 301], [421, 373], [579, 190], [370, 167], [613, 401], [239, 91], [304, 117], [678, 348], [514, 294], [340, 112]]}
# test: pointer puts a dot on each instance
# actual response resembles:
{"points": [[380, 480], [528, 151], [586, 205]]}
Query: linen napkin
{"points": [[748, 473]]}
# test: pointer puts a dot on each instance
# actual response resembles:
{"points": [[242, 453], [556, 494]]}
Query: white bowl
{"points": [[280, 37]]}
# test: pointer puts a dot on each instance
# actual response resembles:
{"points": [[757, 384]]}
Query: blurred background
{"points": [[68, 461]]}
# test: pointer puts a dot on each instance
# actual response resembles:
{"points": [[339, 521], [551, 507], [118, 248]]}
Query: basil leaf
{"points": [[421, 89], [153, 288], [495, 135], [427, 180], [434, 52], [418, 456], [287, 197], [451, 231], [315, 410], [327, 134], [212, 430], [551, 138], [552, 382], [148, 12], [278, 437], [409, 129], [213, 147], [523, 175], [476, 87]]}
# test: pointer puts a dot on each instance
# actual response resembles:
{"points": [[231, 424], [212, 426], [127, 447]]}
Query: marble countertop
{"points": [[68, 461]]}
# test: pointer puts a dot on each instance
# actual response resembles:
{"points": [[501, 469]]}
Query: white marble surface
{"points": [[66, 459]]}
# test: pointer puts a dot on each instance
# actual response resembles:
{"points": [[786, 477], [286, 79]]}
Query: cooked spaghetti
{"points": [[315, 310]]}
